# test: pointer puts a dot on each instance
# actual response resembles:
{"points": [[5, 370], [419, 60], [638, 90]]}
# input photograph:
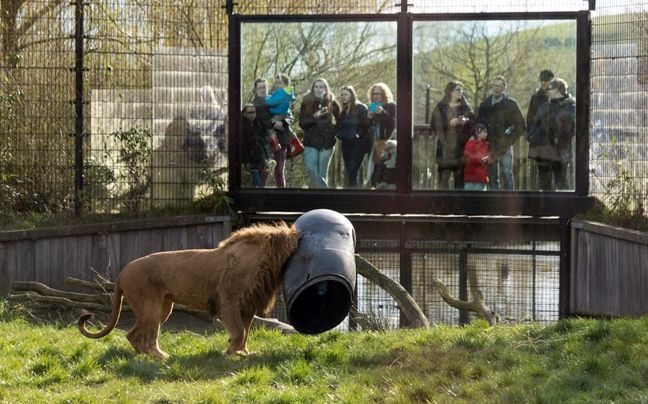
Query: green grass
{"points": [[607, 216], [570, 361]]}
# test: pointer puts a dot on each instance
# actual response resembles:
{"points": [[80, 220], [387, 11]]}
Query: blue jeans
{"points": [[258, 178], [317, 164], [503, 167], [474, 186]]}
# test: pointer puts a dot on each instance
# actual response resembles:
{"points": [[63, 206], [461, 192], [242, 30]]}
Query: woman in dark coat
{"points": [[451, 121], [382, 121], [254, 154], [352, 131], [551, 134], [317, 117]]}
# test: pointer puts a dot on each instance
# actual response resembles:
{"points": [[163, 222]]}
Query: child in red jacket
{"points": [[477, 160]]}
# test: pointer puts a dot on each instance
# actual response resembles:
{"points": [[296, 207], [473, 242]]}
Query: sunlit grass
{"points": [[570, 361]]}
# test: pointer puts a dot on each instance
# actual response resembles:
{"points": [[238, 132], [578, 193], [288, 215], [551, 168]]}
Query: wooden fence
{"points": [[51, 255], [609, 270]]}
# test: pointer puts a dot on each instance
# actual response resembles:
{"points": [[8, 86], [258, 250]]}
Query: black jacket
{"points": [[264, 116], [498, 118], [352, 127], [319, 133], [554, 126], [538, 98], [386, 121], [253, 145]]}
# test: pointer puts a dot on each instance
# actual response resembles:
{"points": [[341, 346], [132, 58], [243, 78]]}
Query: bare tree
{"points": [[476, 52], [343, 53]]}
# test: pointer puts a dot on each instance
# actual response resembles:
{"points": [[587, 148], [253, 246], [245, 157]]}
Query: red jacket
{"points": [[476, 170]]}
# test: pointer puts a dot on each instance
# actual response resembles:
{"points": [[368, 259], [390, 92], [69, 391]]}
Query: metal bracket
{"points": [[404, 6], [229, 6]]}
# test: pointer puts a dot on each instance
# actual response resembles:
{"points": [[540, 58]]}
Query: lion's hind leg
{"points": [[149, 313]]}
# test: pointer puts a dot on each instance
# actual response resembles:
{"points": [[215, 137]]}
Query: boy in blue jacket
{"points": [[282, 97]]}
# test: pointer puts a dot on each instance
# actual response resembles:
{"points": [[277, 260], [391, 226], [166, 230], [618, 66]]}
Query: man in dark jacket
{"points": [[551, 134], [505, 123], [540, 96]]}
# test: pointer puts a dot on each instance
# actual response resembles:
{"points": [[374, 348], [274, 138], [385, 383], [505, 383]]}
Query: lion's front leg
{"points": [[247, 324], [233, 322]]}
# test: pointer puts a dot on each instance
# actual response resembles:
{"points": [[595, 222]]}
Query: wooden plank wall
{"points": [[49, 256], [609, 271]]}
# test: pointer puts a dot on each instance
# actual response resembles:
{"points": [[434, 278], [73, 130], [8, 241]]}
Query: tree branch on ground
{"points": [[476, 305], [402, 297]]}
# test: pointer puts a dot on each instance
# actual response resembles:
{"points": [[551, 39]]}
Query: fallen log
{"points": [[41, 288], [476, 305], [407, 304], [103, 285]]}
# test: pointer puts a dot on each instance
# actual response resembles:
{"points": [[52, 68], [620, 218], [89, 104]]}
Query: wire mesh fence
{"points": [[36, 117], [618, 150], [155, 89], [519, 281]]}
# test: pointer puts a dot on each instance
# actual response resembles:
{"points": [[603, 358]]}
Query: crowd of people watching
{"points": [[474, 149]]}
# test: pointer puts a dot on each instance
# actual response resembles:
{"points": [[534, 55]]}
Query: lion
{"points": [[234, 281]]}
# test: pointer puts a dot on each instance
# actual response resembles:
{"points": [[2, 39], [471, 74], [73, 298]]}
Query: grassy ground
{"points": [[570, 361]]}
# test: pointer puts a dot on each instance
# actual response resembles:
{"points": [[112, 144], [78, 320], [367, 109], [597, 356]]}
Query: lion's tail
{"points": [[112, 321]]}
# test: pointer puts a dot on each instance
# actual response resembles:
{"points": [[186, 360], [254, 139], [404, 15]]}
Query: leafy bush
{"points": [[623, 198], [135, 155], [216, 200]]}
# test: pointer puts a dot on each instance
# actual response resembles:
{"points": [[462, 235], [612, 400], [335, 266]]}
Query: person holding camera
{"points": [[318, 117], [382, 121], [451, 121]]}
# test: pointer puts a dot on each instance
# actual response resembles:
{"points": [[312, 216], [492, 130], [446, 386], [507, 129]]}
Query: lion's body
{"points": [[234, 281]]}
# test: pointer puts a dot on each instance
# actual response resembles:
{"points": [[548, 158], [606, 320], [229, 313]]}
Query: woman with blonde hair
{"points": [[317, 117], [352, 131], [382, 121]]}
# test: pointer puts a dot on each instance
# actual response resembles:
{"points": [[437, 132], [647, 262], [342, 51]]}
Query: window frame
{"points": [[405, 200]]}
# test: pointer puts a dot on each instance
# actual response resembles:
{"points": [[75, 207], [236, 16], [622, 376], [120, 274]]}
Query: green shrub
{"points": [[135, 155]]}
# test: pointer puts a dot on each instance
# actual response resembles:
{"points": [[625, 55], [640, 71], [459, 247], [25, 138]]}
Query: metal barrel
{"points": [[320, 277]]}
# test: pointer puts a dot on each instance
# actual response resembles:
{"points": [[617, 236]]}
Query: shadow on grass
{"points": [[215, 364], [208, 365]]}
